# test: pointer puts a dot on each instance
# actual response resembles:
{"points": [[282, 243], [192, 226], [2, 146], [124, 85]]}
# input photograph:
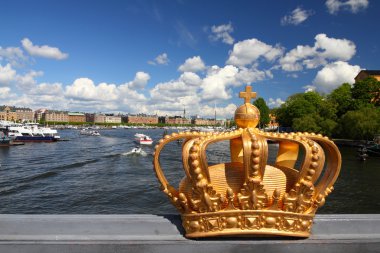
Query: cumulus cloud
{"points": [[141, 79], [354, 6], [161, 59], [28, 80], [334, 74], [191, 79], [274, 103], [5, 93], [221, 112], [223, 33], [12, 55], [43, 51], [193, 64], [7, 75], [324, 49], [297, 16], [249, 51], [85, 89], [215, 84], [54, 89]]}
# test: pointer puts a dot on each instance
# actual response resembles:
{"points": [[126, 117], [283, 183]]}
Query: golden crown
{"points": [[247, 196]]}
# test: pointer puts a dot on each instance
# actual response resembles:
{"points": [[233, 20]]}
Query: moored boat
{"points": [[30, 133], [4, 139]]}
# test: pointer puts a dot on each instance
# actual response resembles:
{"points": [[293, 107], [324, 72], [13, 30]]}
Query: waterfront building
{"points": [[112, 119], [103, 118], [363, 74], [55, 116], [177, 120], [142, 119], [77, 117], [273, 124], [7, 114], [12, 113], [207, 122]]}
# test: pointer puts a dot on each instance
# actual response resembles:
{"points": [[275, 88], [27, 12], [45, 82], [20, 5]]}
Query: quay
{"points": [[164, 233]]}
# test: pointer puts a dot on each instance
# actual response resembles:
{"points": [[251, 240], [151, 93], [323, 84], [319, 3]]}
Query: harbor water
{"points": [[95, 175]]}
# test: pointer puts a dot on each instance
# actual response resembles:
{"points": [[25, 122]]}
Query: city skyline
{"points": [[157, 57]]}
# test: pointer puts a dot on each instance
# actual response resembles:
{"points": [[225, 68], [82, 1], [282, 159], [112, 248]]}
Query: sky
{"points": [[164, 56]]}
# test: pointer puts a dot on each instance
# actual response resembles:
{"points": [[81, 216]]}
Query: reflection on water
{"points": [[90, 174]]}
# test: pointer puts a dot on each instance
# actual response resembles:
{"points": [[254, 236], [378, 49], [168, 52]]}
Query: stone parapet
{"points": [[164, 233]]}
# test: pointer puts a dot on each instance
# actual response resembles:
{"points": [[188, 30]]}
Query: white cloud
{"points": [[324, 49], [334, 74], [339, 49], [28, 81], [354, 6], [274, 103], [140, 81], [223, 33], [7, 74], [297, 16], [215, 84], [161, 59], [54, 89], [85, 89], [248, 51], [193, 64], [5, 93], [221, 112], [309, 88], [190, 78], [43, 51], [12, 55]]}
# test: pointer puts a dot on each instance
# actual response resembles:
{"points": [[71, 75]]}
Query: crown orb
{"points": [[247, 116]]}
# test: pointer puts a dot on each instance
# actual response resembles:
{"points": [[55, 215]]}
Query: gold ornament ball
{"points": [[247, 116]]}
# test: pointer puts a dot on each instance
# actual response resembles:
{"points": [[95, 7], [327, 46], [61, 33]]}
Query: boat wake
{"points": [[137, 151]]}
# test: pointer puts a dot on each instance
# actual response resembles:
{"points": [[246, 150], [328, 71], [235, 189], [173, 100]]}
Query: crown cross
{"points": [[247, 94]]}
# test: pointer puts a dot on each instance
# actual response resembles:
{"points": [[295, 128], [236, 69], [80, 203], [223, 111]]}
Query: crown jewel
{"points": [[247, 196]]}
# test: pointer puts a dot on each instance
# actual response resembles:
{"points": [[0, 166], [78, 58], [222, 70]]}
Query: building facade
{"points": [[77, 117], [207, 122], [16, 114], [177, 120], [142, 119], [363, 74], [55, 116]]}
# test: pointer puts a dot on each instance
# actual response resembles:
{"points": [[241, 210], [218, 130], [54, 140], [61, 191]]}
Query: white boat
{"points": [[136, 151], [30, 132], [143, 139], [89, 132]]}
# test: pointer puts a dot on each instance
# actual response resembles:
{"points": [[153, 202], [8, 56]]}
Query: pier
{"points": [[163, 233]]}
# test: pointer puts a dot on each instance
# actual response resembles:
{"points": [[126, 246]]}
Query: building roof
{"points": [[75, 114], [371, 72]]}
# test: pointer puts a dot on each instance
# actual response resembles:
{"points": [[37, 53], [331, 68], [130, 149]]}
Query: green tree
{"points": [[361, 124], [342, 99], [306, 123], [264, 111], [365, 92], [308, 112]]}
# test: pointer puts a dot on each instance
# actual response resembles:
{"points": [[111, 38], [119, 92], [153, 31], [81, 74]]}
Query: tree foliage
{"points": [[264, 111], [361, 124], [342, 99], [366, 91], [348, 112], [308, 112]]}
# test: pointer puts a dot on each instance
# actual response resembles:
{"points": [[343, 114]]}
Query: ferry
{"points": [[143, 139], [30, 132]]}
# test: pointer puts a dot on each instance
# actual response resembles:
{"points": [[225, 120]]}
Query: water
{"points": [[92, 175]]}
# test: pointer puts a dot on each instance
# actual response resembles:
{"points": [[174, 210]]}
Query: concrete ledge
{"points": [[155, 233]]}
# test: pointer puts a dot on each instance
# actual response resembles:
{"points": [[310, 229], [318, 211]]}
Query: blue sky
{"points": [[162, 56]]}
